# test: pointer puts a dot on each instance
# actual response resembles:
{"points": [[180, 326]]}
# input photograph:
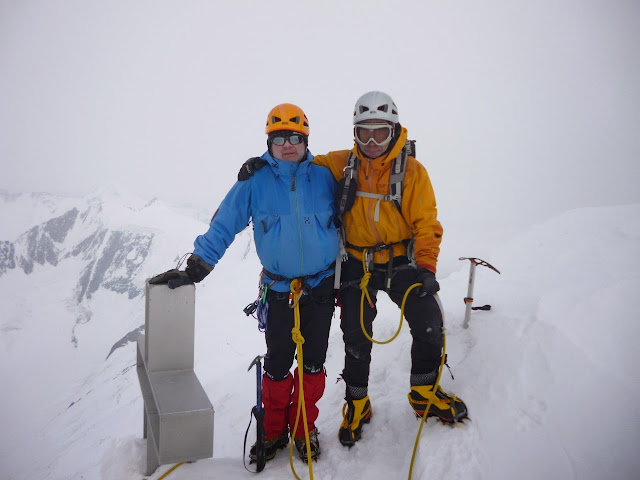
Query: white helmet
{"points": [[375, 106]]}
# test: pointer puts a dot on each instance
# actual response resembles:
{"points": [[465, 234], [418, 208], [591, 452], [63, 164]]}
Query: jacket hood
{"points": [[393, 153]]}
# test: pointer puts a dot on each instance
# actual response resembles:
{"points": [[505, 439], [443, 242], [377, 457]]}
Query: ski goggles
{"points": [[279, 138], [378, 133]]}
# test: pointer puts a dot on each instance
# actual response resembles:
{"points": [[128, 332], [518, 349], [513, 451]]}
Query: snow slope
{"points": [[549, 374]]}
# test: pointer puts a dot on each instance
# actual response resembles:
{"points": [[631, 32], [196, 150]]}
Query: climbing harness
{"points": [[365, 293]]}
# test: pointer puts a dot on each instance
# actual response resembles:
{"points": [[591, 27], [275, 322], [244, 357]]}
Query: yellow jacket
{"points": [[419, 213]]}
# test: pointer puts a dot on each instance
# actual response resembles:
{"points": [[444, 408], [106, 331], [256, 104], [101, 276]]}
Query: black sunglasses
{"points": [[280, 139]]}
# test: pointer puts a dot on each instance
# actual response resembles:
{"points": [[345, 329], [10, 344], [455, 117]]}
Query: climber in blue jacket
{"points": [[291, 205]]}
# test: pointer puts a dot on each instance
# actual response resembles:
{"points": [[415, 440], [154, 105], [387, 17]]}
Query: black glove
{"points": [[429, 283], [249, 168], [172, 278], [195, 272]]}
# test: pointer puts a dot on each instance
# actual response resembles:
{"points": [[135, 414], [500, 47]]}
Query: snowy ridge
{"points": [[549, 374]]}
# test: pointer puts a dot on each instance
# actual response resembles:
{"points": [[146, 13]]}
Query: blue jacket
{"points": [[292, 208]]}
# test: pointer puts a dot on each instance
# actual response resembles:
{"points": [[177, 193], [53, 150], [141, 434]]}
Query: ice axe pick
{"points": [[468, 300]]}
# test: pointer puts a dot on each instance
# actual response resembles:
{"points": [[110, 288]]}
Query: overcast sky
{"points": [[521, 110]]}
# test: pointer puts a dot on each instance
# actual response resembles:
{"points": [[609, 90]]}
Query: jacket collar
{"points": [[284, 168]]}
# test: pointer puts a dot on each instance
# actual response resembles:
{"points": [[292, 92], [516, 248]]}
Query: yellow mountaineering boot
{"points": [[448, 408], [355, 413]]}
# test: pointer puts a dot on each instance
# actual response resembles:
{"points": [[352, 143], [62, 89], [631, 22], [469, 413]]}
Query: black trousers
{"points": [[423, 315], [316, 312]]}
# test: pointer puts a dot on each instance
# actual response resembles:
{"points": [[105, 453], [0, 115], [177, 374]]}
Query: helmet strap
{"points": [[394, 140]]}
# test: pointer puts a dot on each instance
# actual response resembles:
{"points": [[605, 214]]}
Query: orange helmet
{"points": [[287, 116]]}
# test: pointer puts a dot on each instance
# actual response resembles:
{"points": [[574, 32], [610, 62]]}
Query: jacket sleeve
{"points": [[420, 212], [231, 218], [331, 161]]}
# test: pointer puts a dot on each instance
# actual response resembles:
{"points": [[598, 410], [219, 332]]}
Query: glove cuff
{"points": [[197, 269], [426, 266]]}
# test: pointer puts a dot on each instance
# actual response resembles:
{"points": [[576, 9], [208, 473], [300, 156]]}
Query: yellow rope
{"points": [[426, 411], [299, 340], [365, 293], [164, 475]]}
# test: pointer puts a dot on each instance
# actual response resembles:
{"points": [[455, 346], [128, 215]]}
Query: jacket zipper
{"points": [[369, 215], [293, 189]]}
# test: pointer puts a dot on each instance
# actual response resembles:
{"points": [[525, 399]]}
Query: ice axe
{"points": [[468, 300], [258, 413]]}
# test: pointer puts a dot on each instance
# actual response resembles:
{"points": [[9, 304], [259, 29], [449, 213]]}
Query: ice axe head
{"points": [[479, 261], [256, 361]]}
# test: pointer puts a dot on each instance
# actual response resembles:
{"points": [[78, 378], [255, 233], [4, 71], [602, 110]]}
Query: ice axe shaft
{"points": [[258, 412], [257, 362], [468, 300]]}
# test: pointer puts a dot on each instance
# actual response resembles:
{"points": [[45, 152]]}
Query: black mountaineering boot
{"points": [[314, 446], [271, 446]]}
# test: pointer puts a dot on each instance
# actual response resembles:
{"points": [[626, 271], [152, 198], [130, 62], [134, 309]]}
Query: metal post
{"points": [[178, 416], [468, 300]]}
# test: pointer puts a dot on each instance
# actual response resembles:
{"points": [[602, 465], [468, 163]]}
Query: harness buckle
{"points": [[348, 170], [298, 290], [368, 259]]}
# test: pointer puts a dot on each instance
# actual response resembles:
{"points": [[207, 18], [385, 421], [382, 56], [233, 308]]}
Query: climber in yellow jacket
{"points": [[417, 220]]}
